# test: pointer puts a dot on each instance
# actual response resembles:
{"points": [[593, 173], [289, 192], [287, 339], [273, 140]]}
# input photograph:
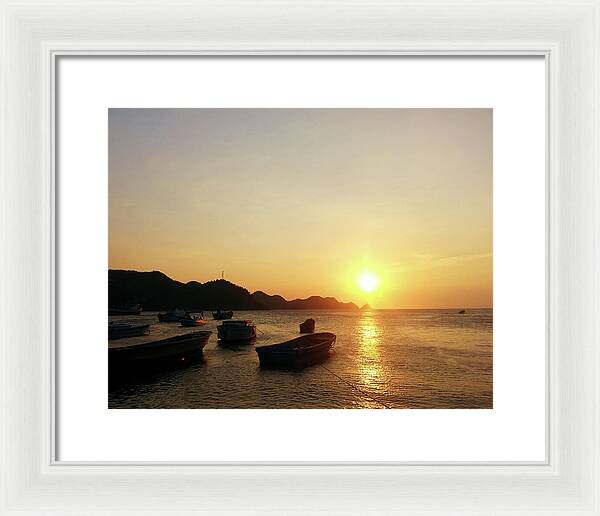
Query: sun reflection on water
{"points": [[369, 363]]}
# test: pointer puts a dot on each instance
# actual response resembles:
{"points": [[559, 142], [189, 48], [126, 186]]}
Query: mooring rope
{"points": [[357, 388]]}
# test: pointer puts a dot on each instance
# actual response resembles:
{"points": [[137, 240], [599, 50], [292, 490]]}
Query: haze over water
{"points": [[382, 358]]}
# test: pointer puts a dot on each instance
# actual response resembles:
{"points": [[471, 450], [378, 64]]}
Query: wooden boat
{"points": [[119, 330], [158, 353], [297, 353], [125, 310], [307, 326], [462, 311], [172, 315], [189, 321], [220, 315], [236, 331]]}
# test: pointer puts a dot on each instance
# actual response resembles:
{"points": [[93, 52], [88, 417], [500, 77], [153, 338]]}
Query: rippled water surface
{"points": [[382, 358]]}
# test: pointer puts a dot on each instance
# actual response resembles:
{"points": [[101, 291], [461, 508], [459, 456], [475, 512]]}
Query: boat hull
{"points": [[297, 353], [293, 362], [123, 332], [134, 310], [232, 333], [157, 354], [307, 326], [169, 318], [191, 323]]}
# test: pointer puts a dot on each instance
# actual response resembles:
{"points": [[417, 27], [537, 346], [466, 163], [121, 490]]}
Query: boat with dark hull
{"points": [[172, 315], [119, 330], [297, 353], [125, 310], [191, 321], [220, 315], [307, 326], [236, 331], [139, 356]]}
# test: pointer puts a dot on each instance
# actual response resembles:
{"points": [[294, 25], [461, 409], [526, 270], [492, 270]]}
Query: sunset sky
{"points": [[300, 202]]}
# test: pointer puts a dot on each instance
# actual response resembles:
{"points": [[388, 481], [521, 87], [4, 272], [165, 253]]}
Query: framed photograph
{"points": [[301, 258]]}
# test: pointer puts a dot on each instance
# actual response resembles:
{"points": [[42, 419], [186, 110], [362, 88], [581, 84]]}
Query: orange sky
{"points": [[299, 202]]}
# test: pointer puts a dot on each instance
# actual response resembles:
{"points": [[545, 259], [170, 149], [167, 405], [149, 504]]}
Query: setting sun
{"points": [[368, 282]]}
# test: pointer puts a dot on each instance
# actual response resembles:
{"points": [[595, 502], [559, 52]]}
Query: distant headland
{"points": [[156, 291]]}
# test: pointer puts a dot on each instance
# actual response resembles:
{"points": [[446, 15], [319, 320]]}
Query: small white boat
{"points": [[121, 330], [236, 331]]}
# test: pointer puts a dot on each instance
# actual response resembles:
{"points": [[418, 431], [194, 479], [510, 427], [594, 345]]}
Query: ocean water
{"points": [[382, 359]]}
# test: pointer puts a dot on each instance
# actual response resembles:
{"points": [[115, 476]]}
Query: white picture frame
{"points": [[34, 35]]}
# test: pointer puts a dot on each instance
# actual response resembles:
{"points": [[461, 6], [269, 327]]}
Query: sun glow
{"points": [[367, 281]]}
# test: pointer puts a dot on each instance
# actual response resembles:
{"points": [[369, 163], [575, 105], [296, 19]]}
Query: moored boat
{"points": [[236, 331], [307, 326], [189, 321], [121, 330], [297, 353], [158, 353], [125, 310], [172, 315], [220, 315]]}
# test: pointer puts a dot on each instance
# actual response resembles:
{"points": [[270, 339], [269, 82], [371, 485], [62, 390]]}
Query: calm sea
{"points": [[382, 358]]}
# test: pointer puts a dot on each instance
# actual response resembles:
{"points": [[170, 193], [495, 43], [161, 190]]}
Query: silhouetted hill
{"points": [[269, 302], [318, 302], [156, 291], [153, 289]]}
